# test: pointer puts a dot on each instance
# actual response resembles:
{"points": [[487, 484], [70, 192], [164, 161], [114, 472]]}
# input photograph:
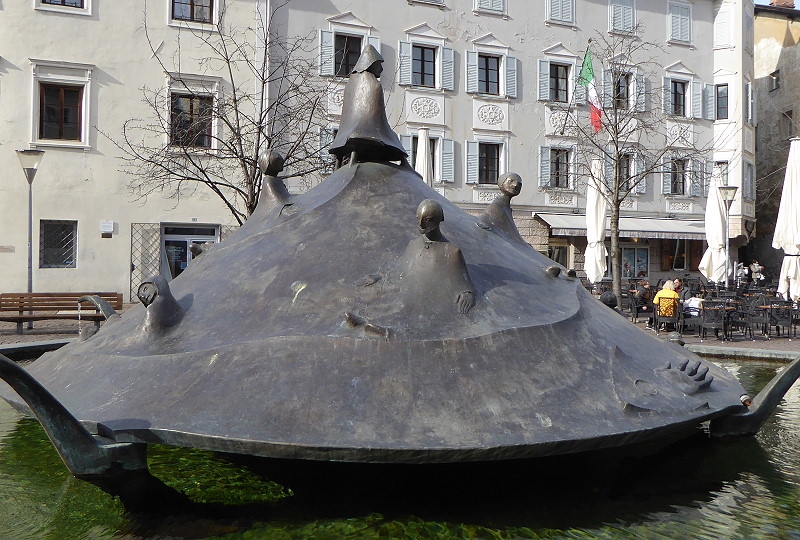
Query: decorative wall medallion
{"points": [[561, 199], [562, 123], [425, 107], [485, 196], [628, 203], [338, 98], [680, 206], [491, 114]]}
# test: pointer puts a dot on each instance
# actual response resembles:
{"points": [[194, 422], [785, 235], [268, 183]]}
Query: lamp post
{"points": [[727, 193], [30, 159]]}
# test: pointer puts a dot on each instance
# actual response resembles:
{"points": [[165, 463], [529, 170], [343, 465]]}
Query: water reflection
{"points": [[692, 489]]}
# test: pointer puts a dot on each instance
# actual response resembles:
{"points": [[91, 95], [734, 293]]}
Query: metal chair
{"points": [[668, 311], [780, 316], [714, 316]]}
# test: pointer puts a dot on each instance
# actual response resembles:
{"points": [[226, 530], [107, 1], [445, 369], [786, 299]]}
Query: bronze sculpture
{"points": [[347, 329]]}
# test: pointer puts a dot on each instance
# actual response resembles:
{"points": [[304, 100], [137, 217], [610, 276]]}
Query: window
{"points": [[622, 85], [58, 241], [673, 255], [62, 92], [721, 101], [750, 106], [326, 137], [432, 145], [749, 181], [622, 17], [347, 49], [678, 93], [559, 77], [66, 3], [491, 6], [677, 176], [558, 251], [488, 163], [191, 120], [423, 72], [774, 80], [491, 74], [556, 167], [199, 11], [441, 154], [787, 127], [721, 170], [630, 170], [722, 27], [635, 262], [680, 22], [625, 171], [562, 11], [60, 112]]}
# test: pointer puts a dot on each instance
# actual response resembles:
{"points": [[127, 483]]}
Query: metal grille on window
{"points": [[145, 254], [57, 240]]}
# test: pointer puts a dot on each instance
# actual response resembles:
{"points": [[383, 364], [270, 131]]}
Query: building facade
{"points": [[489, 84]]}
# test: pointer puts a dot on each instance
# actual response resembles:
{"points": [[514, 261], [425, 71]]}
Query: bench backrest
{"points": [[54, 301]]}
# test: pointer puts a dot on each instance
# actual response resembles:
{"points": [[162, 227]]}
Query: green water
{"points": [[695, 489]]}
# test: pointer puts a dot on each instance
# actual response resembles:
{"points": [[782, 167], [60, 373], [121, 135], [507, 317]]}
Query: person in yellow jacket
{"points": [[667, 291]]}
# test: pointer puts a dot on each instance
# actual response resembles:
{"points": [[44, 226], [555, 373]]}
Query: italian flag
{"points": [[586, 79]]}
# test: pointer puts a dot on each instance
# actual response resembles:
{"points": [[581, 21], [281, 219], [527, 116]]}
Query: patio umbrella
{"points": [[596, 206], [712, 265], [787, 227], [423, 163]]}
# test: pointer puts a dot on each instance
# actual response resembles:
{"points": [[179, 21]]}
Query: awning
{"points": [[575, 225]]}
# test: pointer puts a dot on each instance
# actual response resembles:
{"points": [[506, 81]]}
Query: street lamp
{"points": [[30, 159], [727, 193]]}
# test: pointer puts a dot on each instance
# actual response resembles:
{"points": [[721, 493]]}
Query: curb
{"points": [[730, 352]]}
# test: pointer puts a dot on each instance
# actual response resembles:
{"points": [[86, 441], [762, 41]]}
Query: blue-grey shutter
{"points": [[608, 88], [709, 99], [697, 99], [567, 14], [666, 187], [698, 168], [555, 10], [544, 80], [408, 145], [472, 162], [325, 140], [745, 181], [544, 166], [748, 97], [326, 57], [667, 91], [608, 171], [628, 15], [680, 22], [448, 160], [707, 177], [472, 72], [573, 167], [404, 62], [622, 15], [722, 28], [375, 42], [580, 91], [641, 177], [511, 76], [498, 5], [641, 93], [448, 67]]}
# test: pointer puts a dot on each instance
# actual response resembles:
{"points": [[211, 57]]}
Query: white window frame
{"points": [[749, 103], [637, 87], [637, 170], [194, 25], [562, 6], [694, 176], [444, 159], [86, 10], [325, 136], [681, 39], [343, 24], [181, 83], [444, 76], [491, 7], [545, 176], [472, 169], [576, 93], [618, 9], [695, 96], [508, 70], [62, 73]]}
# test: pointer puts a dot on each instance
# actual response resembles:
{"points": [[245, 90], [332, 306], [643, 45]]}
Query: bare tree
{"points": [[644, 131], [255, 91]]}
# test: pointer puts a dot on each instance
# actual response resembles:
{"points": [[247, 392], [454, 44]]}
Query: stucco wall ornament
{"points": [[561, 199], [425, 107], [680, 206], [491, 115]]}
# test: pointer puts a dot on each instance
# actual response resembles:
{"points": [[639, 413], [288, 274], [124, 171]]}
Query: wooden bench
{"points": [[22, 307]]}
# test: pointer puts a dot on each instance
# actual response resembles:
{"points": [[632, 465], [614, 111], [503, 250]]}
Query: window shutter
{"points": [[698, 168], [722, 28], [608, 171], [326, 58], [751, 105], [375, 42], [544, 166], [579, 97], [325, 139], [608, 88], [641, 93], [628, 15], [544, 80], [448, 161], [622, 15], [745, 181], [680, 22], [555, 10], [472, 72], [511, 76], [497, 5], [641, 177], [567, 11], [709, 97], [408, 144], [707, 177], [666, 189], [404, 62], [573, 167], [472, 162], [667, 95], [697, 99], [448, 66]]}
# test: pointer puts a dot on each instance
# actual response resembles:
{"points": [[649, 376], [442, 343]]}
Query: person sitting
{"points": [[684, 293], [667, 291], [691, 307], [610, 299], [642, 298]]}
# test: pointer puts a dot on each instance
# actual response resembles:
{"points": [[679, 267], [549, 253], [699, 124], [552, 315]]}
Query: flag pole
{"points": [[572, 97]]}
